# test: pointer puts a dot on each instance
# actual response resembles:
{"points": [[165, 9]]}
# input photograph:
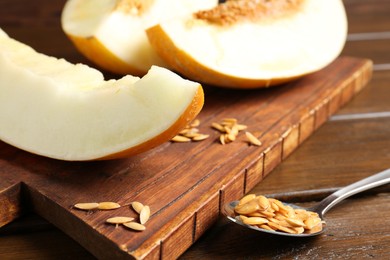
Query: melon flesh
{"points": [[254, 53], [53, 108], [115, 28], [3, 34]]}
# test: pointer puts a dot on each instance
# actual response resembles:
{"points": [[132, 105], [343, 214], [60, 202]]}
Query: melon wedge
{"points": [[2, 33], [111, 33], [252, 43], [60, 110]]}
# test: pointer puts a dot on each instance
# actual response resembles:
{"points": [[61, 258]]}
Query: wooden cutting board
{"points": [[185, 184]]}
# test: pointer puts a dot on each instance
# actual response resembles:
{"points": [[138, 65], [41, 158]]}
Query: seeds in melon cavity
{"points": [[87, 206]]}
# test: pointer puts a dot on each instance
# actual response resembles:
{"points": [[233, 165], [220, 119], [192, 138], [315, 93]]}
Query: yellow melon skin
{"points": [[96, 52], [66, 111], [253, 54]]}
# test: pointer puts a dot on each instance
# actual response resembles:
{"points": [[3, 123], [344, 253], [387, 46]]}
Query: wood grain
{"points": [[376, 50], [335, 154], [374, 97], [178, 180], [367, 15]]}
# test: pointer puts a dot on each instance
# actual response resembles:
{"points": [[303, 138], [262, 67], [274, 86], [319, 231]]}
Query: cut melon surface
{"points": [[2, 33], [111, 33], [53, 108], [253, 51]]}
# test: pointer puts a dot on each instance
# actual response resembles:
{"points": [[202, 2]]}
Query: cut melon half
{"points": [[53, 108], [111, 33], [252, 43], [2, 33]]}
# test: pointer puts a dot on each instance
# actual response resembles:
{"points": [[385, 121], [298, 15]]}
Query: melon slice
{"points": [[2, 33], [53, 108], [253, 43], [111, 33]]}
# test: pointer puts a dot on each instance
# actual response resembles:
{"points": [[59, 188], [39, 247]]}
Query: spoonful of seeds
{"points": [[275, 217]]}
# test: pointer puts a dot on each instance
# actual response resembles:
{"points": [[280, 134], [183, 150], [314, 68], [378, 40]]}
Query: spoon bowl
{"points": [[321, 208], [228, 211]]}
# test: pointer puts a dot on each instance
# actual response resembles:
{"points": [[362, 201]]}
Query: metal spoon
{"points": [[322, 207]]}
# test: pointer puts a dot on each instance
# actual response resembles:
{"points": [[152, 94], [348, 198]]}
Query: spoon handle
{"points": [[373, 181]]}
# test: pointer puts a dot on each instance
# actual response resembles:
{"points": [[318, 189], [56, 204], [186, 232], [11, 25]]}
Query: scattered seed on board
{"points": [[231, 137], [87, 206], [108, 205], [218, 127], [137, 206], [229, 121], [241, 127], [119, 220], [142, 210], [229, 129], [181, 139], [195, 123], [135, 226], [190, 133], [200, 137], [222, 139], [95, 205], [252, 139], [144, 215]]}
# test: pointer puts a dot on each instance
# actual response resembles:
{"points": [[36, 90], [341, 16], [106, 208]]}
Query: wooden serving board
{"points": [[185, 184]]}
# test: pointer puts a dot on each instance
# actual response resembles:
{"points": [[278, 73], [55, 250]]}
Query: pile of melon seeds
{"points": [[229, 129], [273, 215]]}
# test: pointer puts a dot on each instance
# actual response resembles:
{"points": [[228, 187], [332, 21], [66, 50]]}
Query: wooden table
{"points": [[353, 144]]}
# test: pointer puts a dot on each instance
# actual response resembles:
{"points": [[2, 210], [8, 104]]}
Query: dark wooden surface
{"points": [[353, 144]]}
